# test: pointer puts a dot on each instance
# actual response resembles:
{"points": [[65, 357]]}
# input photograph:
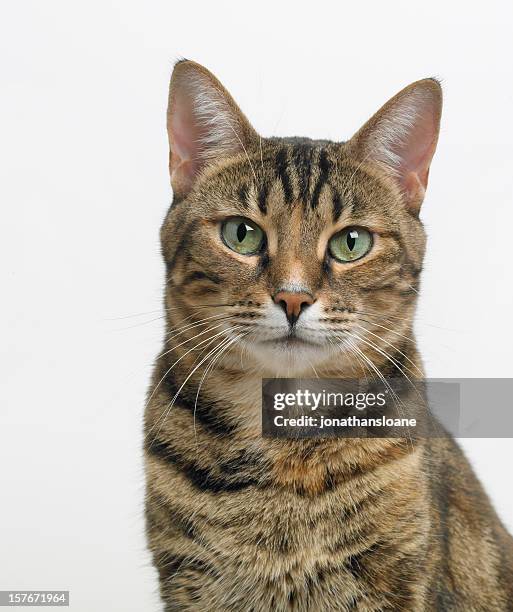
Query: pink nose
{"points": [[293, 303]]}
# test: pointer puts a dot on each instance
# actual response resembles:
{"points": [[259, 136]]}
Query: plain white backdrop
{"points": [[84, 187]]}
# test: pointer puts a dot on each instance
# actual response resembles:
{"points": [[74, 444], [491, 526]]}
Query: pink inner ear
{"points": [[402, 136], [183, 136], [416, 151], [204, 124]]}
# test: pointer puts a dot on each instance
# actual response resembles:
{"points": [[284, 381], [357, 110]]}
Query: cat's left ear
{"points": [[401, 137]]}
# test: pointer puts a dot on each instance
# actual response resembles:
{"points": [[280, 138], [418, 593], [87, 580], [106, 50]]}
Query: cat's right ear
{"points": [[204, 124]]}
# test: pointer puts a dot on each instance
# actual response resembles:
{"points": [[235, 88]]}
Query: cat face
{"points": [[299, 254]]}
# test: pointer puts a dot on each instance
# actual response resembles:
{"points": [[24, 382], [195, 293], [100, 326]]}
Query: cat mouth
{"points": [[290, 340]]}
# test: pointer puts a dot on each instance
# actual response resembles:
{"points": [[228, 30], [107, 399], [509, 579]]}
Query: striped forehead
{"points": [[300, 175]]}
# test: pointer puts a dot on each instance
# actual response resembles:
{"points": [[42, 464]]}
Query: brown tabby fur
{"points": [[238, 522]]}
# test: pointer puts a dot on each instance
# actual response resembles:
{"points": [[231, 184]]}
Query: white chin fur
{"points": [[282, 360]]}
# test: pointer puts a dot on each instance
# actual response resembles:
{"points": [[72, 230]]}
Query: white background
{"points": [[84, 187]]}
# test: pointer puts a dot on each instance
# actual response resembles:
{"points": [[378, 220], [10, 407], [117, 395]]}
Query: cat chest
{"points": [[279, 554]]}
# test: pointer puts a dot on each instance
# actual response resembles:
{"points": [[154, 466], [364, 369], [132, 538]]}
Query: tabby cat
{"points": [[295, 257]]}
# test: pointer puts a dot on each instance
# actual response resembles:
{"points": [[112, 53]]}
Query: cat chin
{"points": [[283, 359]]}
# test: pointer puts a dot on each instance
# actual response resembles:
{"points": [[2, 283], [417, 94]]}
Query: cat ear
{"points": [[203, 123], [401, 137]]}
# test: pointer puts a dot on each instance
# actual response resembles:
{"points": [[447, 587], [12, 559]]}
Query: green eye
{"points": [[350, 244], [242, 235]]}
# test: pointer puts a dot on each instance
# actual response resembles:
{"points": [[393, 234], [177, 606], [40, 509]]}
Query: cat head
{"points": [[301, 255]]}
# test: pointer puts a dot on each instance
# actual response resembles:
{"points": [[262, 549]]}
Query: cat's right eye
{"points": [[242, 235]]}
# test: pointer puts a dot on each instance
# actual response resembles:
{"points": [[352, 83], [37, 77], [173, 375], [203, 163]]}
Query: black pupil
{"points": [[242, 232], [351, 239]]}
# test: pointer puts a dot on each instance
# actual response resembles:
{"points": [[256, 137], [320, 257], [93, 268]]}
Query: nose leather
{"points": [[293, 303]]}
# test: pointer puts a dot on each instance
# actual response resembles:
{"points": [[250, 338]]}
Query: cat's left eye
{"points": [[350, 244], [242, 235]]}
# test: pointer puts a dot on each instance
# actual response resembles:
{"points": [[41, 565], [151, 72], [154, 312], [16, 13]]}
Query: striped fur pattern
{"points": [[236, 522]]}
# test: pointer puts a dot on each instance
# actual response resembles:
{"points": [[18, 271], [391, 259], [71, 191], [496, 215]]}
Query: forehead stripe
{"points": [[283, 175], [262, 198], [243, 195], [303, 165], [337, 204], [324, 168]]}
